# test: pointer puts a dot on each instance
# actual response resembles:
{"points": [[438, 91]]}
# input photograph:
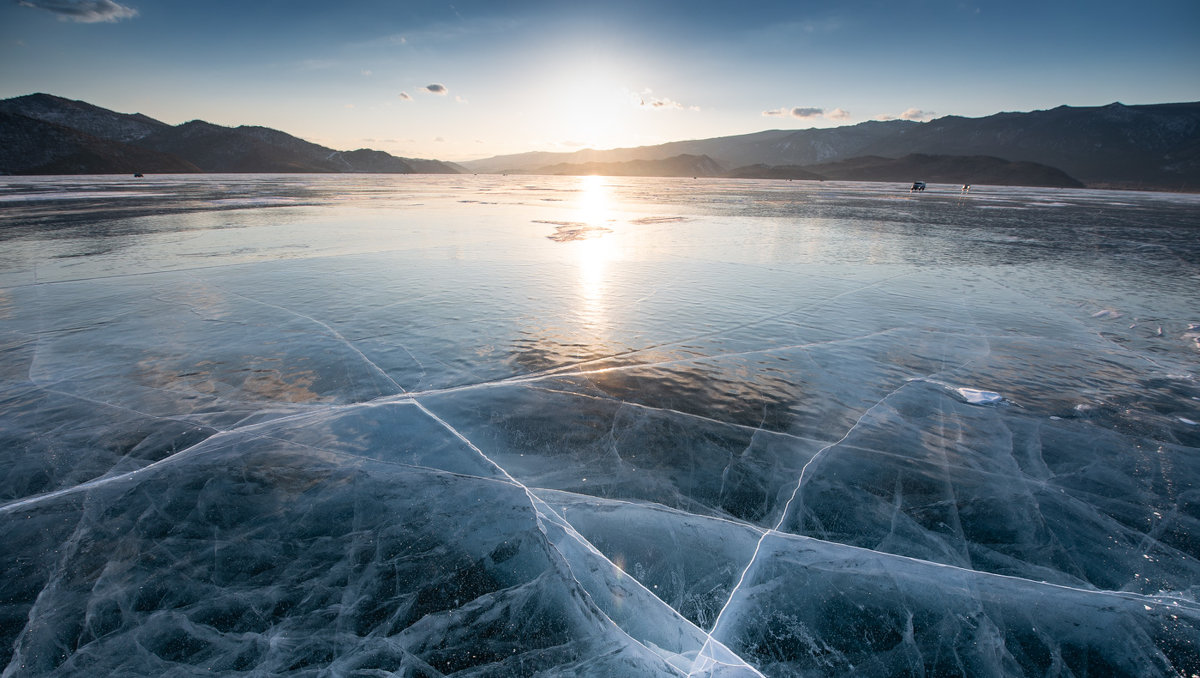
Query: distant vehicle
{"points": [[917, 186], [137, 176]]}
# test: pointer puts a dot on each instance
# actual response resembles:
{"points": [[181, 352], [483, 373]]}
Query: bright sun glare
{"points": [[596, 110], [594, 201]]}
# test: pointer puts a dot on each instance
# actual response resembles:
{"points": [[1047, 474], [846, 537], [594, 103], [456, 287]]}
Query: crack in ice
{"points": [[199, 448], [333, 332], [701, 666], [535, 501]]}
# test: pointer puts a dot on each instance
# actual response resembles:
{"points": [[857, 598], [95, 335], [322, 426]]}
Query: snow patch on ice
{"points": [[975, 396], [971, 396]]}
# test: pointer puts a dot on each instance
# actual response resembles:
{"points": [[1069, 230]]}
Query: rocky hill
{"points": [[31, 146], [84, 117]]}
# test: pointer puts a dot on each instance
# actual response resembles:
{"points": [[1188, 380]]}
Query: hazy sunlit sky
{"points": [[471, 79]]}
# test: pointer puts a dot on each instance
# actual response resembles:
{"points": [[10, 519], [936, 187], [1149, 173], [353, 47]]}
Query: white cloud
{"points": [[459, 99], [437, 88], [807, 113], [911, 114], [917, 114], [405, 96], [645, 100], [84, 11], [366, 73], [662, 102]]}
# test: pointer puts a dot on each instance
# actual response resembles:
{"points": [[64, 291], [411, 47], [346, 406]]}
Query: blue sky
{"points": [[517, 76]]}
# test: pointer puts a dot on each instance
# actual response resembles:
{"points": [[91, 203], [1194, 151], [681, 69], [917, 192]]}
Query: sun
{"points": [[594, 108]]}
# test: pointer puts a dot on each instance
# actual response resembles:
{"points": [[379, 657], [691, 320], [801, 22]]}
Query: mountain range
{"points": [[1154, 147], [44, 134], [950, 169]]}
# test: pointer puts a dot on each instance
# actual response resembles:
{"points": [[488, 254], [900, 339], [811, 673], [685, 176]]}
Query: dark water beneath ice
{"points": [[423, 426]]}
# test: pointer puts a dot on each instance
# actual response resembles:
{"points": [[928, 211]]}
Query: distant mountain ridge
{"points": [[45, 134], [946, 169], [678, 166], [952, 169], [1155, 146]]}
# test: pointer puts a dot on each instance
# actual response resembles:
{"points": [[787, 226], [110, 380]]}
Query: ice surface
{"points": [[427, 426]]}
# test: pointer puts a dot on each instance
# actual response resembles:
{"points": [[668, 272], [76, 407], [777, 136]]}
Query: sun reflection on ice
{"points": [[595, 200], [595, 252]]}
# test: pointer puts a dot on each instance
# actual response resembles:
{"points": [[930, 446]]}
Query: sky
{"points": [[472, 79]]}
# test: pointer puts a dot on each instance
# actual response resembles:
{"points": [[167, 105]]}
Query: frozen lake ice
{"points": [[506, 426]]}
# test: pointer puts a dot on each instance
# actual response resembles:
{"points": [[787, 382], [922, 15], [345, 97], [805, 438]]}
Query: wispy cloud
{"points": [[437, 88], [826, 25], [448, 31], [460, 99], [838, 114], [84, 11], [790, 32], [405, 96], [317, 64]]}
